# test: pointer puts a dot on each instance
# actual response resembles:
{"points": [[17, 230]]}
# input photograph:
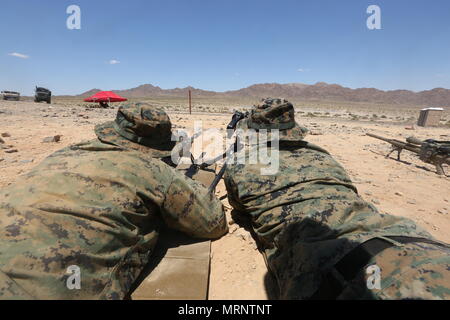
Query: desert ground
{"points": [[409, 188]]}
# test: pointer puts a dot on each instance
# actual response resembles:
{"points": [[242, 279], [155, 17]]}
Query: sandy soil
{"points": [[409, 188]]}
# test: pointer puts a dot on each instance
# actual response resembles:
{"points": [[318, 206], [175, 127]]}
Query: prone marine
{"points": [[98, 206], [320, 239]]}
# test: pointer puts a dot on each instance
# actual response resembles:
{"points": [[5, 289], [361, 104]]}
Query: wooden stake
{"points": [[190, 102]]}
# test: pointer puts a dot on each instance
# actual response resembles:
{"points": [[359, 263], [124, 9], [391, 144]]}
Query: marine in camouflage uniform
{"points": [[98, 205], [317, 235]]}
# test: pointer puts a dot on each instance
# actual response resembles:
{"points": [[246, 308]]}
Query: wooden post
{"points": [[190, 102]]}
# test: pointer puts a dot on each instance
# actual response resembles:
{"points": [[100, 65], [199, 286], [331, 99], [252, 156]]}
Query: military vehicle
{"points": [[43, 94], [11, 95]]}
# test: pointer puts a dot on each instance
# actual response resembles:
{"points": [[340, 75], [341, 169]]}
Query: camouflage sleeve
{"points": [[188, 207], [233, 193]]}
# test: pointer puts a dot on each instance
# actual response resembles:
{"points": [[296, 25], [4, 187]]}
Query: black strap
{"points": [[355, 261], [351, 264]]}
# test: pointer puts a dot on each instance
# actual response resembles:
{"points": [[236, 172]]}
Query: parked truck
{"points": [[11, 95], [42, 94]]}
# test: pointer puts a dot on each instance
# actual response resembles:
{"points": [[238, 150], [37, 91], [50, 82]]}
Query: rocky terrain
{"points": [[29, 132]]}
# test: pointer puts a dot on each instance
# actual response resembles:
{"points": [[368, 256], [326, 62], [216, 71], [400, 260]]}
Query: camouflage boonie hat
{"points": [[276, 114], [139, 127]]}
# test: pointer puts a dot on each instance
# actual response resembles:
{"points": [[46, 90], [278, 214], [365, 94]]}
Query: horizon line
{"points": [[255, 84]]}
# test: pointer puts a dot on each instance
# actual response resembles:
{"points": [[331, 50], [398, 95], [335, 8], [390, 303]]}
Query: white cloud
{"points": [[114, 61], [301, 70], [18, 55]]}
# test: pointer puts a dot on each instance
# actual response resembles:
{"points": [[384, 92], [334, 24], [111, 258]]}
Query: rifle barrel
{"points": [[378, 137], [397, 144]]}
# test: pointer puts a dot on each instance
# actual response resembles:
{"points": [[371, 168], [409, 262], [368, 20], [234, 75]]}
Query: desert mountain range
{"points": [[438, 97]]}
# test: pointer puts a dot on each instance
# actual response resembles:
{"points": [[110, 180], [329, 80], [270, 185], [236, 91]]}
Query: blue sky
{"points": [[223, 45]]}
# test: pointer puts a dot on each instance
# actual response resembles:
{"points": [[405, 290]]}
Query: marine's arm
{"points": [[184, 204], [188, 207]]}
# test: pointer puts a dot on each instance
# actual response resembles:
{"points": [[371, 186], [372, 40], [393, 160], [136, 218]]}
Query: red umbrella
{"points": [[105, 96]]}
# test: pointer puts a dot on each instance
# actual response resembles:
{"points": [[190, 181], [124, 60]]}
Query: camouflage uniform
{"points": [[311, 224], [98, 205]]}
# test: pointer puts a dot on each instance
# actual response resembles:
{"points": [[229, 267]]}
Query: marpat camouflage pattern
{"points": [[97, 206], [308, 216]]}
